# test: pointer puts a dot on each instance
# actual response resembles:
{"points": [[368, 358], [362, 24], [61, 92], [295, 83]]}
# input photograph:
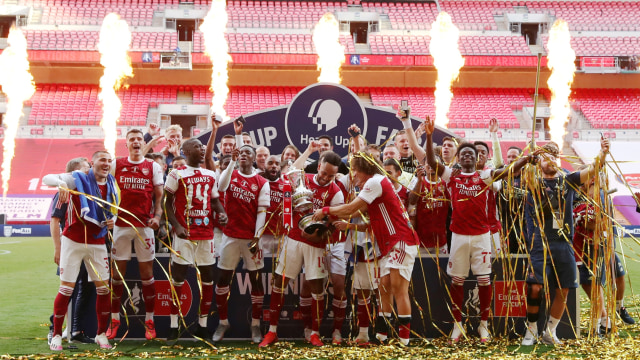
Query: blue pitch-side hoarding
{"points": [[25, 230]]}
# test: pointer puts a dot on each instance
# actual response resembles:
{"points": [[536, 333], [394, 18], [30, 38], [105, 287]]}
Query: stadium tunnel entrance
{"points": [[186, 122]]}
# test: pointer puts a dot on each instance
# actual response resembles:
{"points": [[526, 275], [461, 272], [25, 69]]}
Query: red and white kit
{"points": [[79, 243], [431, 214], [274, 228], [244, 195], [136, 181], [394, 235], [470, 224], [298, 251], [193, 189]]}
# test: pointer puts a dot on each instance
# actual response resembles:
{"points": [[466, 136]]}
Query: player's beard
{"points": [[549, 170]]}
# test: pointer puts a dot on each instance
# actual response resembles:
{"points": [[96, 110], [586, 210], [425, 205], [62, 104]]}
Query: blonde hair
{"points": [[174, 127]]}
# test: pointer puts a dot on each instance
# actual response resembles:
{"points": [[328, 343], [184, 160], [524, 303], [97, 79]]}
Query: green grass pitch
{"points": [[28, 285]]}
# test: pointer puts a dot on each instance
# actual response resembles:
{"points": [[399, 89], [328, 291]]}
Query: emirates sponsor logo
{"points": [[632, 179]]}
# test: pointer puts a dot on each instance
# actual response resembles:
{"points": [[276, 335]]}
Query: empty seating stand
{"points": [[272, 43], [467, 15], [92, 12], [280, 14], [592, 15], [88, 40], [468, 45], [609, 108], [301, 14], [72, 104], [78, 105], [470, 108], [603, 45], [245, 99]]}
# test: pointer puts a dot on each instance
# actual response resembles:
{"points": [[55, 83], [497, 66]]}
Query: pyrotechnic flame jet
{"points": [[217, 48], [448, 62], [17, 83], [326, 39], [561, 61], [113, 46]]}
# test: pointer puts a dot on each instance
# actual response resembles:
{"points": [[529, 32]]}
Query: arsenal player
{"points": [[141, 182], [274, 228], [247, 197], [394, 236], [191, 195], [470, 226], [336, 265], [428, 208], [301, 248], [84, 240]]}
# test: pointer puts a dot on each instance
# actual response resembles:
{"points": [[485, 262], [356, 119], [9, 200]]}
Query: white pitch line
{"points": [[5, 252], [10, 242]]}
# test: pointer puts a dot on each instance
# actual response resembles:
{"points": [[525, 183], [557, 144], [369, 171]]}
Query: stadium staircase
{"points": [[385, 23]]}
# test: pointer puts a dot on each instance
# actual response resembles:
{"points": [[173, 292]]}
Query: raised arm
{"points": [[418, 152], [515, 166], [414, 195], [597, 163], [498, 161], [354, 133], [149, 145], [225, 177], [313, 147], [208, 157], [60, 180], [429, 127]]}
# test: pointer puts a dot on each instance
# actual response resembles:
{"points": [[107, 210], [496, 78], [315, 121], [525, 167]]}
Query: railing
{"points": [[599, 64], [175, 61]]}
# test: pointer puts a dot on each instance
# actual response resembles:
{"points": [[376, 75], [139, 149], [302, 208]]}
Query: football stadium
{"points": [[319, 179]]}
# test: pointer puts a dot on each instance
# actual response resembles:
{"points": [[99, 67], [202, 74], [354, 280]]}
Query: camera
{"points": [[217, 118], [353, 133], [404, 106]]}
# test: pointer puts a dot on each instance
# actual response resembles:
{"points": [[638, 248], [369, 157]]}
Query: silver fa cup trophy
{"points": [[302, 202]]}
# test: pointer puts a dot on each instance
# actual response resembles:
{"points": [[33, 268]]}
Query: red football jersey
{"points": [[403, 194], [274, 212], [136, 182], [193, 189], [581, 235], [431, 214], [214, 215], [470, 202], [243, 196], [328, 195], [388, 218], [79, 230], [494, 223]]}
